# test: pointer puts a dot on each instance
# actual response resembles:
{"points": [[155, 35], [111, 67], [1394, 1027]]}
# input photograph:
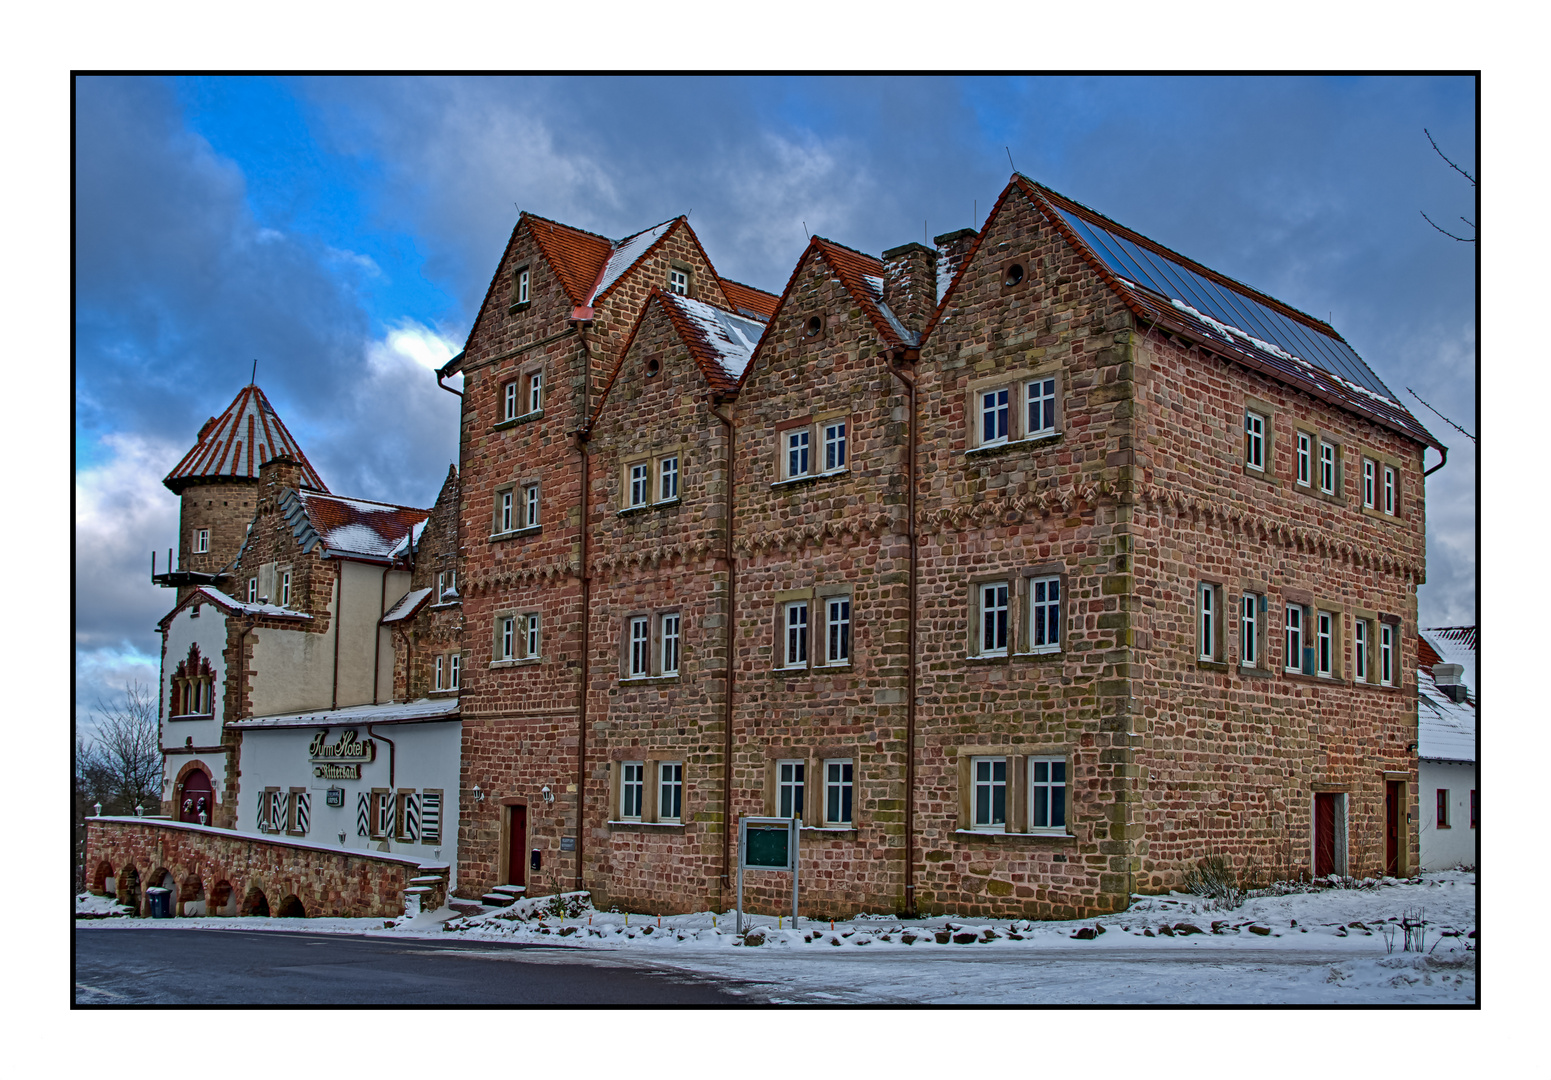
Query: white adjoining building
{"points": [[1446, 736]]}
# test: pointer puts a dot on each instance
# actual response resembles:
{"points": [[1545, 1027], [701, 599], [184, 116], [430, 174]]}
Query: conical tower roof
{"points": [[233, 445]]}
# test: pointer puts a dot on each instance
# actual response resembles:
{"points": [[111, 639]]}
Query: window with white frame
{"points": [[441, 673], [790, 781], [285, 588], [535, 392], [506, 638], [520, 287], [990, 792], [1254, 440], [1370, 484], [1305, 458], [532, 635], [454, 662], [1327, 467], [1386, 654], [837, 627], [1360, 647], [670, 791], [1250, 607], [503, 511], [838, 784], [1293, 660], [993, 618], [678, 281], [668, 473], [670, 644], [640, 646], [796, 645], [835, 446], [530, 506], [509, 401], [1206, 621], [797, 442], [201, 541], [1324, 643], [993, 417], [1045, 614], [1041, 399], [253, 590], [446, 585], [640, 482], [632, 786], [1391, 489], [1047, 794]]}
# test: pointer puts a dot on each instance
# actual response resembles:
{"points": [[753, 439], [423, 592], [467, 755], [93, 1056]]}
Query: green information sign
{"points": [[768, 848]]}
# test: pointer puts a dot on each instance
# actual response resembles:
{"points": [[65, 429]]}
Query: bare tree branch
{"points": [[1440, 416], [1445, 157], [1445, 232], [120, 761]]}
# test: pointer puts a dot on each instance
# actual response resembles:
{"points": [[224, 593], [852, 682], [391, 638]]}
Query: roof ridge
{"points": [[357, 498], [746, 285], [622, 241], [672, 224], [852, 250], [551, 221]]}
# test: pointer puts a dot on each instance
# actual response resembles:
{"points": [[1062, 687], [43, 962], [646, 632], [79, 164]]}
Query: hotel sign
{"points": [[342, 759]]}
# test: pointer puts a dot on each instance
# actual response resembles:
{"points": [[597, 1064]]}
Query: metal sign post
{"points": [[768, 843]]}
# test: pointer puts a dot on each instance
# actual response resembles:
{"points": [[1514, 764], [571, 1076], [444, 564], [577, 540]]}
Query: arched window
{"points": [[193, 686]]}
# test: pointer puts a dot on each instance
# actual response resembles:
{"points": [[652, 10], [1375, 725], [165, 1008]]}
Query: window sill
{"points": [[441, 693], [516, 661], [991, 658], [659, 505], [810, 478], [992, 449], [518, 421], [831, 830], [1314, 680], [1036, 657], [1359, 684], [192, 716], [513, 309], [1379, 515], [993, 834], [1261, 474], [1255, 672], [638, 680], [444, 604], [1211, 665], [632, 826], [515, 534]]}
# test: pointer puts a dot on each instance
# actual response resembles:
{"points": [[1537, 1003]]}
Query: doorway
{"points": [[196, 798], [1329, 834], [1394, 800], [517, 845]]}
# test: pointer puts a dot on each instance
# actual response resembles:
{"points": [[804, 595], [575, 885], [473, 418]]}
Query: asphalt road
{"points": [[152, 966]]}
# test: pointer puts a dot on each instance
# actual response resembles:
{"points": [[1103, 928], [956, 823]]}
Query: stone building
{"points": [[1027, 571]]}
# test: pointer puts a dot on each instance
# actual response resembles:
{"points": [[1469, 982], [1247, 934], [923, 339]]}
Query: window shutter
{"points": [[409, 826], [303, 812], [263, 811], [431, 818], [362, 814]]}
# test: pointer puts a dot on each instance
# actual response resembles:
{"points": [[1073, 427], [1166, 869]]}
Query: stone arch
{"points": [[291, 908], [127, 890], [191, 896], [254, 902], [161, 878], [222, 899], [100, 876]]}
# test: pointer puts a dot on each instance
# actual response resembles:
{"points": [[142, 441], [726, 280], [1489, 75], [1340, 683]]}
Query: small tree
{"points": [[119, 762]]}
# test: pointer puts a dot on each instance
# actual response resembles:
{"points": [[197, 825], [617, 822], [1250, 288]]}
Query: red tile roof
{"points": [[749, 299], [853, 268], [575, 256], [356, 527], [236, 443]]}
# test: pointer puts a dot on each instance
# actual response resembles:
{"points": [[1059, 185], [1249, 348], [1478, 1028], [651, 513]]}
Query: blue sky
{"points": [[342, 231]]}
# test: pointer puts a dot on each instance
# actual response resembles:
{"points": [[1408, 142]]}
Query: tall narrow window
{"points": [[1443, 808], [509, 402], [1042, 407], [1324, 632], [797, 634], [834, 446], [669, 475], [504, 512], [530, 503], [797, 453], [670, 644], [1369, 484], [1389, 490], [1360, 649], [639, 478], [1472, 808], [1294, 658], [1208, 625], [790, 781], [1254, 440], [522, 286], [632, 785], [285, 588], [453, 663], [1045, 614], [993, 618], [508, 644], [1047, 794], [253, 590], [640, 646], [670, 791], [201, 541], [533, 636], [535, 391], [838, 778], [990, 777], [1305, 459], [837, 624], [993, 416], [1327, 468], [678, 281], [1386, 654], [1249, 630], [441, 674]]}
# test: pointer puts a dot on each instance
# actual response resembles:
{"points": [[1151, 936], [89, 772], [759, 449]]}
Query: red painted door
{"points": [[517, 846], [1324, 835], [196, 797], [1393, 795]]}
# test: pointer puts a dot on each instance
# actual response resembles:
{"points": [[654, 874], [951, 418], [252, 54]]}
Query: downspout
{"points": [[442, 372], [586, 584], [732, 612], [899, 355], [382, 609], [1444, 450], [339, 607], [391, 753]]}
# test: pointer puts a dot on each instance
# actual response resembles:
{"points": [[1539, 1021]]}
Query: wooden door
{"points": [[196, 797], [1394, 798], [1324, 835], [517, 846]]}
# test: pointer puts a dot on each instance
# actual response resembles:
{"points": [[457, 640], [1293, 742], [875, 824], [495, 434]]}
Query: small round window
{"points": [[815, 325], [1014, 275], [651, 367]]}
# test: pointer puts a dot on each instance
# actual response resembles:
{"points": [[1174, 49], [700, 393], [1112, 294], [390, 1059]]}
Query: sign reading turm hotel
{"points": [[340, 760]]}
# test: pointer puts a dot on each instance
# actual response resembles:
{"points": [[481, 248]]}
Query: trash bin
{"points": [[159, 901]]}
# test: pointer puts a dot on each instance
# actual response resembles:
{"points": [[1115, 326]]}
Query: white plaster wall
{"points": [[292, 671], [397, 586], [1443, 849], [423, 756], [208, 631], [363, 591]]}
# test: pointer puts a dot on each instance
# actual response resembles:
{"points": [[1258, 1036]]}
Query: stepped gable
{"points": [[749, 301], [349, 528], [234, 445]]}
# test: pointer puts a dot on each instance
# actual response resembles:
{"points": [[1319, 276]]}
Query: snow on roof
{"points": [[353, 526], [752, 302], [729, 338], [1446, 730], [625, 254], [1456, 645], [399, 712], [407, 606], [237, 442], [219, 597], [862, 277]]}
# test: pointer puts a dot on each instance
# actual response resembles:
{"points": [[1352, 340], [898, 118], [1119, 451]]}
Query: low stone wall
{"points": [[214, 871]]}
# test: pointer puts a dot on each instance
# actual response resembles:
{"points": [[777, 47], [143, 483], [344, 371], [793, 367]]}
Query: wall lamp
{"points": [[479, 795], [549, 796]]}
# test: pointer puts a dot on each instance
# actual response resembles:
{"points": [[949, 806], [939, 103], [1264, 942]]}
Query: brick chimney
{"points": [[910, 284], [952, 250], [280, 471]]}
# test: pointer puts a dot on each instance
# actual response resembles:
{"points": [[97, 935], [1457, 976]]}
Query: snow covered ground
{"points": [[1331, 946]]}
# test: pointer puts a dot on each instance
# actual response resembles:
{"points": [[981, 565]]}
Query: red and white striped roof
{"points": [[234, 445]]}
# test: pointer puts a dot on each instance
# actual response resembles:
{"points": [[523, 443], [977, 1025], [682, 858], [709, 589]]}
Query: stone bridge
{"points": [[213, 871]]}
